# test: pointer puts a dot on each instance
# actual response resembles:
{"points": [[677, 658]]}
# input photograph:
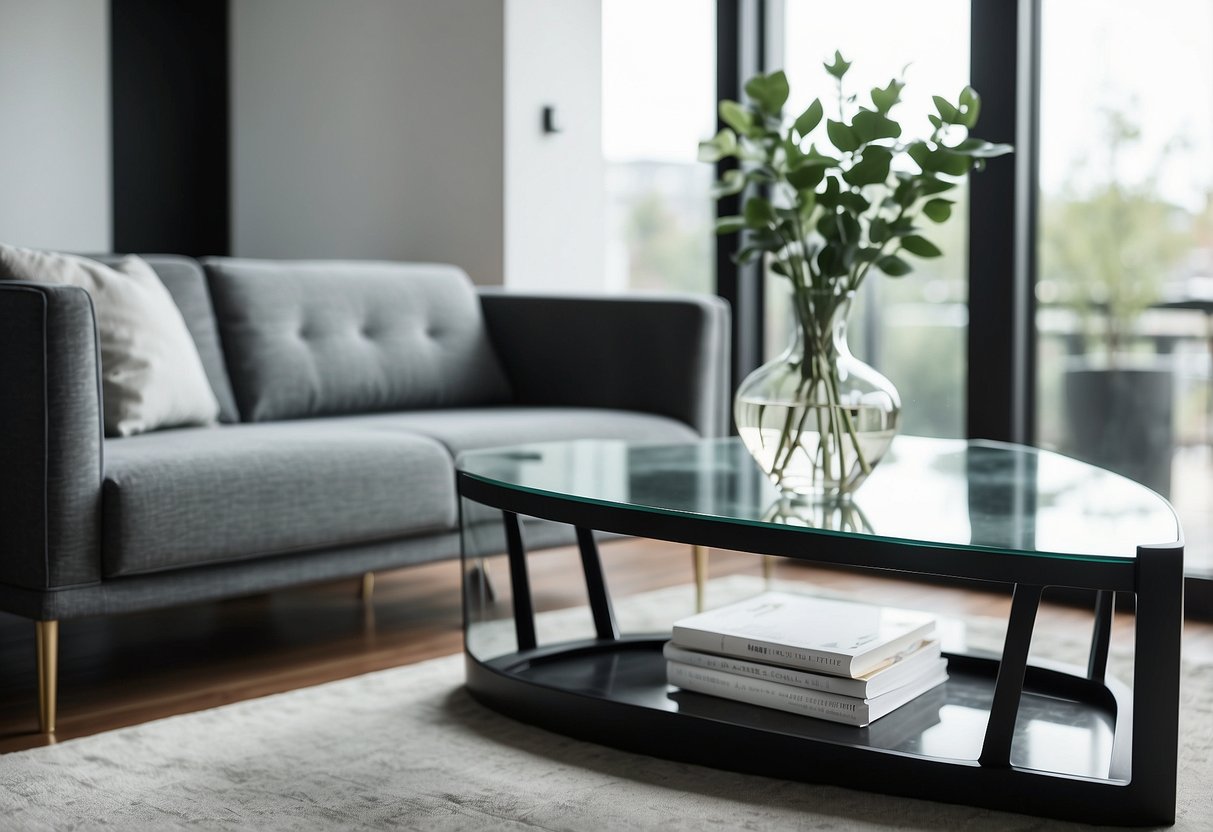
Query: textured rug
{"points": [[409, 749]]}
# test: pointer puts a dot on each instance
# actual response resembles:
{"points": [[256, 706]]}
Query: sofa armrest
{"points": [[663, 354], [50, 437]]}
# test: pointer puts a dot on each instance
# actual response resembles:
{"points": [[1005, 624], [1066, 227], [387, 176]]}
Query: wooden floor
{"points": [[125, 670]]}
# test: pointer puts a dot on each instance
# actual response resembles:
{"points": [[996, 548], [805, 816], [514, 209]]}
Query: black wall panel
{"points": [[169, 66]]}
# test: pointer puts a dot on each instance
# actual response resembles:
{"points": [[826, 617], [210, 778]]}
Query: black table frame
{"points": [[1140, 791]]}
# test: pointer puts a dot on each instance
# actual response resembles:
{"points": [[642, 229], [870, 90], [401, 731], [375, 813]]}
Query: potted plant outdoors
{"points": [[1108, 248], [816, 419]]}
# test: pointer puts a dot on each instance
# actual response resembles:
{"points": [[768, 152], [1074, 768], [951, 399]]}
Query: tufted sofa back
{"points": [[316, 338]]}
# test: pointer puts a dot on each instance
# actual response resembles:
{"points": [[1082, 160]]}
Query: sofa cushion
{"points": [[189, 497], [151, 374], [183, 278], [470, 429], [310, 338]]}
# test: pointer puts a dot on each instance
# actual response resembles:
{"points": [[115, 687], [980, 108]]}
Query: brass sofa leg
{"points": [[46, 634], [699, 555], [768, 567], [367, 589]]}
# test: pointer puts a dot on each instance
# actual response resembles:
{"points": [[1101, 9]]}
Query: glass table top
{"points": [[982, 495]]}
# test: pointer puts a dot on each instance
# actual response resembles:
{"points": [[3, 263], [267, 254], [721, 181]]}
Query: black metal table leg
{"points": [[996, 749], [1156, 666], [1101, 635], [520, 585], [595, 584]]}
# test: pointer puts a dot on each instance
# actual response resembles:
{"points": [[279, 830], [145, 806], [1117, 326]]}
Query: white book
{"points": [[829, 706], [841, 638], [919, 659]]}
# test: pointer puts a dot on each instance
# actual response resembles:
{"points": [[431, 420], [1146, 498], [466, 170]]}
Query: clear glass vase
{"points": [[817, 419]]}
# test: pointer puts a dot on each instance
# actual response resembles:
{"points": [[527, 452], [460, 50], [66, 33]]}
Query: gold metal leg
{"points": [[700, 557], [46, 634], [367, 590], [768, 568]]}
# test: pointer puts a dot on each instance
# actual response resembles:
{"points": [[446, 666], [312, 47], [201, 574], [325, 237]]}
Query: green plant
{"points": [[828, 218], [825, 214]]}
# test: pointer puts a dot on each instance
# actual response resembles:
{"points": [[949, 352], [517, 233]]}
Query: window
{"points": [[1125, 247], [912, 329], [658, 93]]}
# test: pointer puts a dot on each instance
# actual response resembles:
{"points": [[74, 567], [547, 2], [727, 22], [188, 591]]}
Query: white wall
{"points": [[554, 187], [55, 124], [369, 129]]}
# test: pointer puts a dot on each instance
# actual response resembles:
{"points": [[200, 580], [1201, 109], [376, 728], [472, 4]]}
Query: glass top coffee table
{"points": [[1069, 742]]}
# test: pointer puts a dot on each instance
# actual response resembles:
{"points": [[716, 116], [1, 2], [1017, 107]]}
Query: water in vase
{"points": [[815, 449]]}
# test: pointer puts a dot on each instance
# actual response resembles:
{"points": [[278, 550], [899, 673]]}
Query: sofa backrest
{"points": [[314, 338], [185, 281]]}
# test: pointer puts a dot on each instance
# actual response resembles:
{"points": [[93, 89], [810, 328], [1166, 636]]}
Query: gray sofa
{"points": [[346, 390]]}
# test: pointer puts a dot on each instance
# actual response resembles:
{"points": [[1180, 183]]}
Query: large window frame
{"points": [[1005, 40]]}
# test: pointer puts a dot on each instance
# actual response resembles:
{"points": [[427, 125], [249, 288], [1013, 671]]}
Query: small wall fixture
{"points": [[549, 120]]}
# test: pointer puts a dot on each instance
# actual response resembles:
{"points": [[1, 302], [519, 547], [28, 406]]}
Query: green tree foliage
{"points": [[1110, 245]]}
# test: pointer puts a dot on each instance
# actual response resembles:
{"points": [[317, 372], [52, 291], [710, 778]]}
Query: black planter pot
{"points": [[1122, 420]]}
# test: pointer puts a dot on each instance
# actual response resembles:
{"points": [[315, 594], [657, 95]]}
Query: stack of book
{"points": [[843, 661]]}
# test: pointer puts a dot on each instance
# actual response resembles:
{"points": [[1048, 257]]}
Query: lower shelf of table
{"points": [[1069, 756]]}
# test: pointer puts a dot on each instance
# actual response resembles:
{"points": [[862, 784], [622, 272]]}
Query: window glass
{"points": [[1125, 246], [913, 329], [658, 94]]}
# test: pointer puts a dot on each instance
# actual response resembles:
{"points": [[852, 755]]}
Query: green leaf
{"points": [[842, 136], [940, 160], [839, 67], [936, 121], [853, 202], [758, 212], [902, 226], [970, 107], [780, 269], [769, 91], [736, 116], [827, 226], [921, 154], [905, 194], [928, 184], [938, 210], [872, 169], [729, 225], [884, 99], [946, 111], [953, 164], [806, 176], [981, 149], [867, 254], [893, 266], [720, 146], [878, 230], [809, 119], [732, 182], [851, 232], [920, 246], [828, 198], [869, 126], [814, 157]]}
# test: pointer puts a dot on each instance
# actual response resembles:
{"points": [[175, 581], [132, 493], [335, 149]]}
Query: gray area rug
{"points": [[409, 749]]}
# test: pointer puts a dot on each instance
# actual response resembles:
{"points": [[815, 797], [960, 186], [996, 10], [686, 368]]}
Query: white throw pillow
{"points": [[151, 375]]}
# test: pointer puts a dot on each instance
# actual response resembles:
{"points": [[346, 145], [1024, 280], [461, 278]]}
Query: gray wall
{"points": [[369, 129], [55, 124]]}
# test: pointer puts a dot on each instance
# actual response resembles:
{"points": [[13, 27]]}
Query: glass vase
{"points": [[817, 419]]}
